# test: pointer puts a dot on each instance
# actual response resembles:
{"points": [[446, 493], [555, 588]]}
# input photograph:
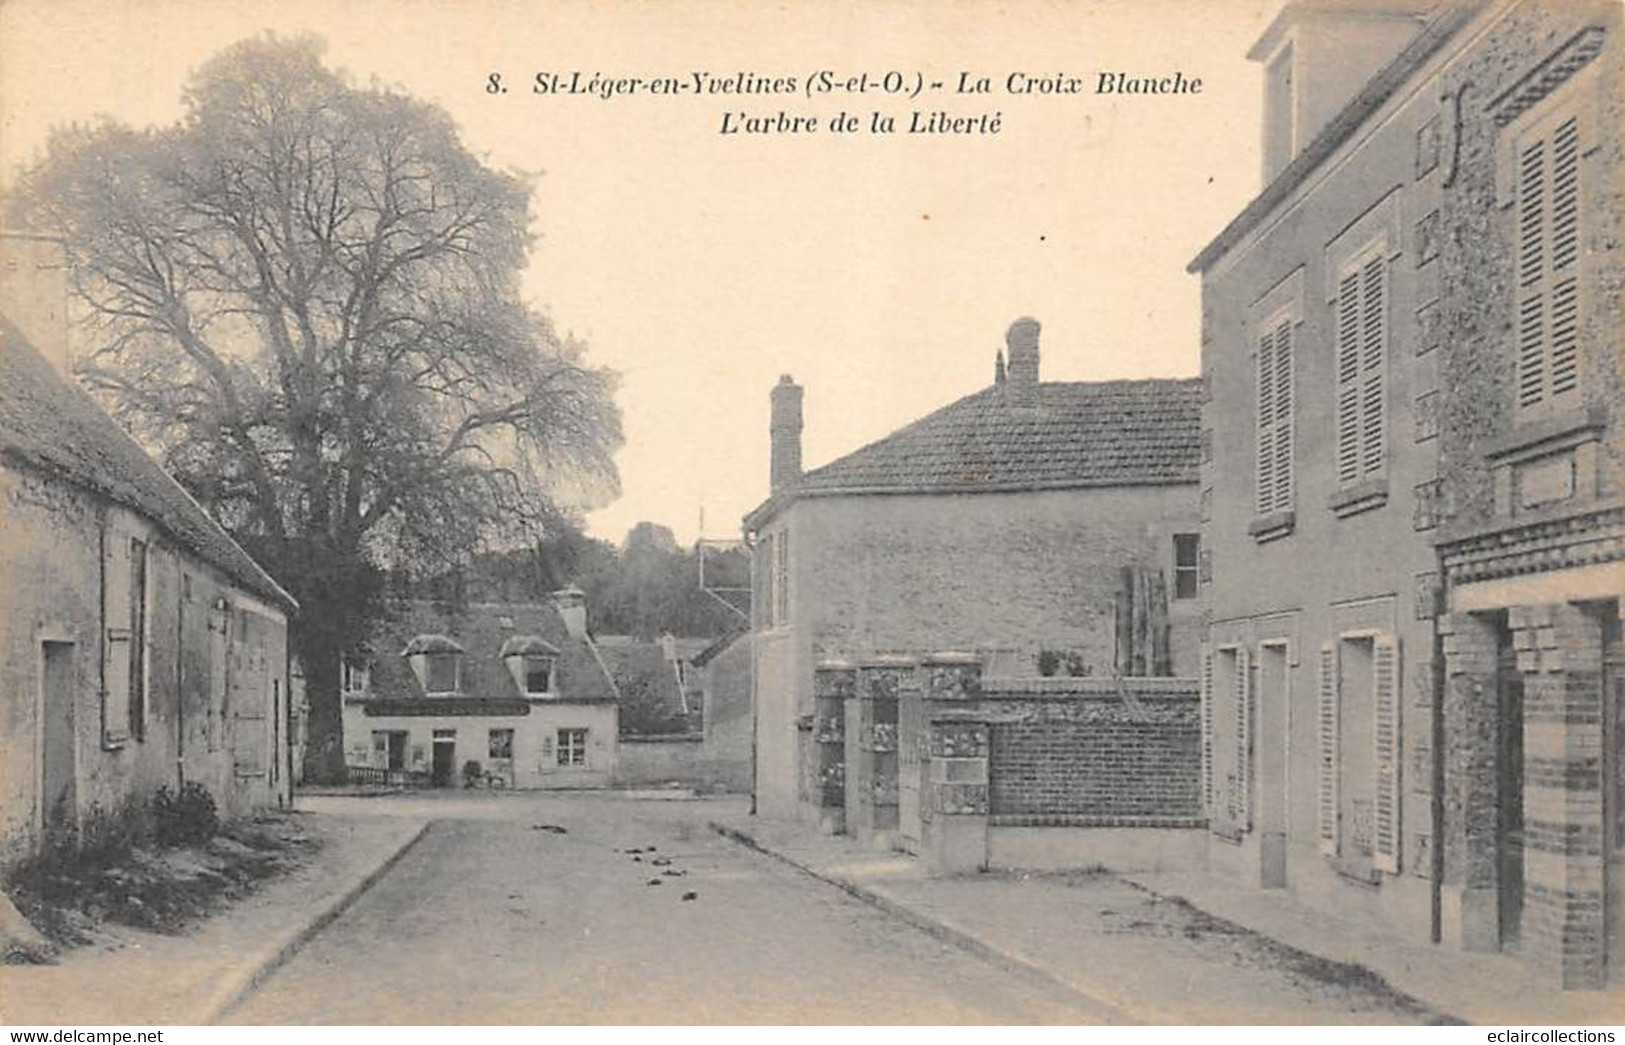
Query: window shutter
{"points": [[1283, 415], [1266, 423], [249, 741], [1207, 730], [1327, 723], [1564, 371], [1241, 793], [1373, 364], [1348, 380], [116, 623], [1531, 274], [1548, 233], [1385, 840]]}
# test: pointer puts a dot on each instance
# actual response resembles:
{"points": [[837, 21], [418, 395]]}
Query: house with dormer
{"points": [[485, 694]]}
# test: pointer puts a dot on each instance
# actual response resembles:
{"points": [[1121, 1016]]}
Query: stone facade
{"points": [[1443, 588], [139, 648]]}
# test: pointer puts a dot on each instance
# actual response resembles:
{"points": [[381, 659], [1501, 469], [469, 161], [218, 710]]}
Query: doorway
{"points": [[59, 756], [1509, 793], [443, 770], [1273, 730]]}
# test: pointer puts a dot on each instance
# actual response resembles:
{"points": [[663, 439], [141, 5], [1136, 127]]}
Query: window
{"points": [[572, 748], [353, 677], [1362, 351], [501, 744], [781, 583], [1358, 727], [538, 675], [1187, 547], [764, 568], [441, 671], [1547, 279], [1274, 462], [389, 749], [138, 638]]}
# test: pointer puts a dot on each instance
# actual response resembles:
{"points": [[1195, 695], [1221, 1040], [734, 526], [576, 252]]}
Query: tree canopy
{"points": [[307, 294]]}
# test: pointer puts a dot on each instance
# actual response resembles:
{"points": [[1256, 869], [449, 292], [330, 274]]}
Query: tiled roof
{"points": [[51, 425], [1108, 433], [481, 630]]}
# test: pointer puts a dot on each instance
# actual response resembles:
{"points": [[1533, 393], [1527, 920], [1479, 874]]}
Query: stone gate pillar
{"points": [[871, 750], [954, 800], [1469, 917], [1560, 656], [834, 683]]}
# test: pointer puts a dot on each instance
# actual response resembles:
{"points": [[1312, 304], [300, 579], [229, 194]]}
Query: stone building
{"points": [[726, 719], [140, 647], [1412, 500], [1044, 527], [517, 688]]}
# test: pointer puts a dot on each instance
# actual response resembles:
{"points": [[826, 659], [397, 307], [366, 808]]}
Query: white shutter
{"points": [[1373, 364], [118, 663], [1241, 802], [1386, 740], [1266, 423], [1348, 380], [1326, 722], [1283, 415], [1207, 731]]}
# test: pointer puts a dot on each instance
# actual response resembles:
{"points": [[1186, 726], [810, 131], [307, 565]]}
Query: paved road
{"points": [[490, 920]]}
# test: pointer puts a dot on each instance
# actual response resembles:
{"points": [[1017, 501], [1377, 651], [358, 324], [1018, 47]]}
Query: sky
{"points": [[881, 271]]}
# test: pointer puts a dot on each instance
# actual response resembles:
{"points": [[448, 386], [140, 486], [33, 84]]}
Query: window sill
{"points": [[1361, 497], [1358, 872], [1272, 526]]}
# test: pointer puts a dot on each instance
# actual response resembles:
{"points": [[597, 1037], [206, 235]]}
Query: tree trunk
{"points": [[324, 747]]}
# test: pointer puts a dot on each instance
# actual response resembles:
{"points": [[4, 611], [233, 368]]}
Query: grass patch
{"points": [[68, 892]]}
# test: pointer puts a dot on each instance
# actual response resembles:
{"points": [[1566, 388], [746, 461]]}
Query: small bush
{"points": [[187, 818], [473, 773]]}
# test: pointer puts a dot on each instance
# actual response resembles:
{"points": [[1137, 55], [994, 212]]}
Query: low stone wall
{"points": [[678, 758]]}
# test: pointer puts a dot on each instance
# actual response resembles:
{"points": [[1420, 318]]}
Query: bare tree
{"points": [[306, 293]]}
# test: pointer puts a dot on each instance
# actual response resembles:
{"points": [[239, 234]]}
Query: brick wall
{"points": [[1073, 752]]}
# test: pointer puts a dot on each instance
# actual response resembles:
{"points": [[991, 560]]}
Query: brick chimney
{"points": [[1021, 372], [786, 429], [34, 293], [1317, 54], [572, 604]]}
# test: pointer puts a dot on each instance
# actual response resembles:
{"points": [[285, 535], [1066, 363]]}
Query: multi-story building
{"points": [[1410, 340], [1049, 528]]}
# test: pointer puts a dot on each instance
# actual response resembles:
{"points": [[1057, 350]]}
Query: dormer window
{"points": [[532, 661], [538, 675], [437, 663], [442, 673]]}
